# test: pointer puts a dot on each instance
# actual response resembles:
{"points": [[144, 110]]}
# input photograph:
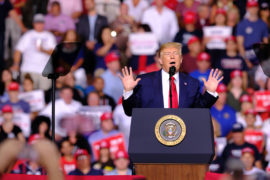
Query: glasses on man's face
{"points": [[168, 54]]}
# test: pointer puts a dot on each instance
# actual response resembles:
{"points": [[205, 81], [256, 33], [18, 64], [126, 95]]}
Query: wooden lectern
{"points": [[187, 160]]}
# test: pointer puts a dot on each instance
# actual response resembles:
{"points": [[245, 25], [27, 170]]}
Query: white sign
{"points": [[35, 99], [143, 43], [216, 36]]}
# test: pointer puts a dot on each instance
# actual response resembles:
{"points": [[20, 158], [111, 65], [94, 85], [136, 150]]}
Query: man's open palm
{"points": [[214, 79], [128, 80]]}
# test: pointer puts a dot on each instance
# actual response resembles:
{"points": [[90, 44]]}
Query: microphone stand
{"points": [[170, 84], [171, 73]]}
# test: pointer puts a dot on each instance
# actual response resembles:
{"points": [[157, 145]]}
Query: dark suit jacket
{"points": [[83, 27], [148, 93]]}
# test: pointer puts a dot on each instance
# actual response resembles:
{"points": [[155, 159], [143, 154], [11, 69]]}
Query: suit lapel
{"points": [[182, 89], [158, 87]]}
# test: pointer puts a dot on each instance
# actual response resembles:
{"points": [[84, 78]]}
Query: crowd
{"points": [[92, 130]]}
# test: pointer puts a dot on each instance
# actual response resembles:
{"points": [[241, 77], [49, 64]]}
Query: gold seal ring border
{"points": [[179, 139]]}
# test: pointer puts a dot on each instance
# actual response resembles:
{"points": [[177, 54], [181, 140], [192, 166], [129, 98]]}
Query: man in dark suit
{"points": [[88, 28], [151, 90]]}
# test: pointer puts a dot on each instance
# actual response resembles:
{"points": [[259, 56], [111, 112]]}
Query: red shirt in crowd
{"points": [[67, 166]]}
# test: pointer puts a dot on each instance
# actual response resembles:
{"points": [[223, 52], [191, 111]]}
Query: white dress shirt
{"points": [[164, 25], [165, 88]]}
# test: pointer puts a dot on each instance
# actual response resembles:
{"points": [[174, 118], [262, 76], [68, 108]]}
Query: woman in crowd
{"points": [[235, 90], [104, 45]]}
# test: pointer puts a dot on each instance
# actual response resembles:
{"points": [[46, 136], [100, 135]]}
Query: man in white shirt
{"points": [[35, 48], [136, 8], [162, 20], [64, 107]]}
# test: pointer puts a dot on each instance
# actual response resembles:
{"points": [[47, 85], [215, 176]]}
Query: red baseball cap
{"points": [[80, 152], [230, 38], [104, 144], [203, 56], [221, 11], [236, 73], [252, 3], [192, 40], [221, 88], [251, 111], [7, 109], [106, 116], [112, 56], [245, 98], [189, 17], [13, 86], [248, 150], [121, 154]]}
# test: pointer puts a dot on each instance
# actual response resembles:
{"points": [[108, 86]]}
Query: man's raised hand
{"points": [[128, 80], [214, 79]]}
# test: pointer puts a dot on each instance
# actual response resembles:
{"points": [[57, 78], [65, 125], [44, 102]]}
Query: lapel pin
{"points": [[185, 83]]}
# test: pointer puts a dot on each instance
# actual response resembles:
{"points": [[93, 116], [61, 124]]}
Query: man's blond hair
{"points": [[170, 45]]}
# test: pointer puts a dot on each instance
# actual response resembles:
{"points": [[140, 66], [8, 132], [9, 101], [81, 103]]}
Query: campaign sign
{"points": [[143, 43], [262, 100], [35, 99], [216, 36], [116, 143]]}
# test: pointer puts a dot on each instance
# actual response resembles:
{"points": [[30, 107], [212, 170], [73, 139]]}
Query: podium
{"points": [[187, 160]]}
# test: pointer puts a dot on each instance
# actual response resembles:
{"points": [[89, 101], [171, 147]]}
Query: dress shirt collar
{"points": [[166, 76]]}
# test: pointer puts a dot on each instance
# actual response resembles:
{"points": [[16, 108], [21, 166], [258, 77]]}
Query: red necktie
{"points": [[174, 95]]}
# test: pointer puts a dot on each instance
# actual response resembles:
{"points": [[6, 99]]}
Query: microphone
{"points": [[172, 71]]}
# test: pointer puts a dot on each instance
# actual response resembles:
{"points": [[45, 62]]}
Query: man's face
{"points": [[89, 4], [107, 125], [121, 163], [159, 3], [13, 95], [39, 26], [250, 119], [231, 46], [247, 160], [55, 10], [170, 57], [83, 162], [8, 116], [238, 138], [203, 66], [195, 47], [99, 84], [222, 97], [66, 95], [253, 11]]}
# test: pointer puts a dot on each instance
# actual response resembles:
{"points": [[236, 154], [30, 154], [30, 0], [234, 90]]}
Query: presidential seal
{"points": [[170, 130]]}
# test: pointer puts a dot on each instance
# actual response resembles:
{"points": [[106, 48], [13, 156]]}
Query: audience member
{"points": [[41, 126], [83, 159], [104, 45], [6, 79], [88, 28], [65, 106], [104, 98], [246, 104], [58, 23], [185, 6], [234, 150], [224, 114], [189, 63], [233, 18], [265, 13], [113, 85], [121, 162], [19, 106], [188, 31], [67, 162], [231, 61], [253, 134], [104, 162], [93, 99], [137, 8], [235, 90], [35, 48], [71, 8], [8, 129], [109, 9], [165, 25], [203, 16], [28, 83], [203, 63], [107, 129], [248, 159]]}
